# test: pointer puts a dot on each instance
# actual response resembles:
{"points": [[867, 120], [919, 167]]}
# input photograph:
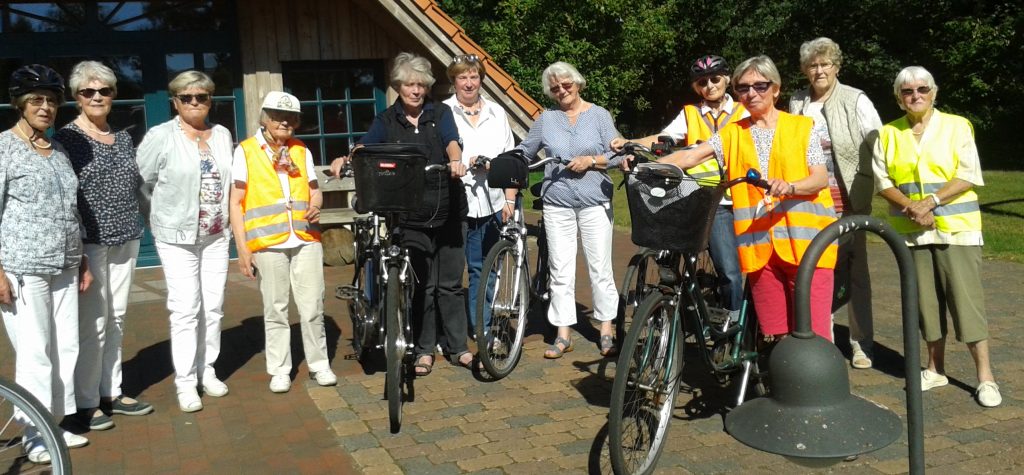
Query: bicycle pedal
{"points": [[347, 292]]}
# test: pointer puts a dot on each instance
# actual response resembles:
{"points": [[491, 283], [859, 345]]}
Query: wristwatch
{"points": [[936, 199], [593, 162]]}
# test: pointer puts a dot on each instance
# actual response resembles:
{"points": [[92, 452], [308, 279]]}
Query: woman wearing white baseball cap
{"points": [[275, 207]]}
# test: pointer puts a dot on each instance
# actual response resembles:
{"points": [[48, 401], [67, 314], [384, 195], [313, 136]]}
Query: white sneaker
{"points": [[214, 387], [74, 440], [188, 401], [34, 448], [931, 379], [325, 377], [988, 394], [280, 383]]}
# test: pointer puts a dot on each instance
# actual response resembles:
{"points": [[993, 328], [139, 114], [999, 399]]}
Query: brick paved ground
{"points": [[547, 416]]}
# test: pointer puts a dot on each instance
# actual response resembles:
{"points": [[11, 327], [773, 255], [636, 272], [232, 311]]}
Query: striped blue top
{"points": [[591, 135]]}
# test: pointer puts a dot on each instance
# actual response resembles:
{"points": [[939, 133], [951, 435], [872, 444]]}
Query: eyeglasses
{"points": [[703, 82], [466, 58], [820, 66], [89, 92], [187, 98], [922, 90], [38, 101], [565, 86], [759, 87]]}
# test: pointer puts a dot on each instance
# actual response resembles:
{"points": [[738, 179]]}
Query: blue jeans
{"points": [[480, 238], [726, 259]]}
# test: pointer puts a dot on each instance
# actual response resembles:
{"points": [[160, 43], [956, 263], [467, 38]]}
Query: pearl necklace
{"points": [[30, 140], [92, 128]]}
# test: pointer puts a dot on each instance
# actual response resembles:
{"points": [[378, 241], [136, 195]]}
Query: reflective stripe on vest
{"points": [[920, 169], [787, 226], [266, 211], [699, 128]]}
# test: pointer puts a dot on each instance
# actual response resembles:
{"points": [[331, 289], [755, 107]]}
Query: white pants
{"points": [[594, 226], [101, 322], [299, 270], [195, 275], [42, 324]]}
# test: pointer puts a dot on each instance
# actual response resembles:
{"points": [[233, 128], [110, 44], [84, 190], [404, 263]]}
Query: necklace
{"points": [[199, 134], [92, 127], [32, 141], [465, 110]]}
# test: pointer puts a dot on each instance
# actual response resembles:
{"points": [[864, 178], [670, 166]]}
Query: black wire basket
{"points": [[671, 213]]}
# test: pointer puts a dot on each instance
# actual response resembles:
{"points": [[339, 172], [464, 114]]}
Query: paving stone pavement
{"points": [[547, 416]]}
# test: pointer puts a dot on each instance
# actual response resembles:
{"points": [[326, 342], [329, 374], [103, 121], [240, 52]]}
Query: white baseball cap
{"points": [[282, 101]]}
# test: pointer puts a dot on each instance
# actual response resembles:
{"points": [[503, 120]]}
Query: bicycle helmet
{"points": [[33, 77], [708, 65]]}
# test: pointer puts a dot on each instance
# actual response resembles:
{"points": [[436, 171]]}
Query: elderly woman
{"points": [[852, 124], [577, 197], [275, 208], [709, 76], [483, 126], [108, 178], [185, 165], [926, 165], [433, 233], [42, 268], [774, 227]]}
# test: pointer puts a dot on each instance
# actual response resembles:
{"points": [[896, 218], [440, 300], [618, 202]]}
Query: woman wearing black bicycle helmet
{"points": [[696, 123], [41, 264]]}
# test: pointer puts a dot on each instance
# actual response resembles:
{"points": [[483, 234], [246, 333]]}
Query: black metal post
{"points": [[908, 290]]}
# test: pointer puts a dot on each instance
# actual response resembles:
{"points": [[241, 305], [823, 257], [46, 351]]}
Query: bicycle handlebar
{"points": [[645, 154]]}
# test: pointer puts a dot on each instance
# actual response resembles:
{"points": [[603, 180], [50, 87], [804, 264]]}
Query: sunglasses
{"points": [[38, 101], [922, 90], [89, 92], [565, 86], [466, 58], [759, 87], [187, 98], [703, 82]]}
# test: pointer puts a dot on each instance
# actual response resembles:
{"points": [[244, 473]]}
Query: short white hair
{"points": [[409, 67], [88, 71], [911, 74], [560, 70]]}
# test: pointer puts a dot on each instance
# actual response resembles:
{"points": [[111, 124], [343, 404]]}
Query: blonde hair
{"points": [[189, 79], [762, 65], [466, 62]]}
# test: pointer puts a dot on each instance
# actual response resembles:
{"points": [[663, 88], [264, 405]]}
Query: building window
{"points": [[339, 102]]}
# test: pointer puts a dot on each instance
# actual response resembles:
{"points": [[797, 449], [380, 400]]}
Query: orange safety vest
{"points": [[787, 226], [700, 128], [265, 209]]}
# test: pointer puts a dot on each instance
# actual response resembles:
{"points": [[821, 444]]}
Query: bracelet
{"points": [[792, 189], [936, 199], [593, 161], [511, 202]]}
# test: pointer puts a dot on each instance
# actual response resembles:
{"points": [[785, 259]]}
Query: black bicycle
{"points": [[29, 434], [389, 179], [672, 311]]}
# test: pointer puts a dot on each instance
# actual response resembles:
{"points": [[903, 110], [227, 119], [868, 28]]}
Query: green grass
{"points": [[1001, 199]]}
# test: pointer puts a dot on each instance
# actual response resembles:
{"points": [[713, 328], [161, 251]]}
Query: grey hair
{"points": [[762, 65], [88, 71], [409, 67], [911, 74], [559, 70], [189, 79], [820, 47]]}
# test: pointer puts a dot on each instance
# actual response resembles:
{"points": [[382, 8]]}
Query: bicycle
{"points": [[649, 369], [29, 433], [503, 299], [387, 178]]}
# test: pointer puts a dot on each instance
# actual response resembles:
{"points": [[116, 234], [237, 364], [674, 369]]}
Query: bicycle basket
{"points": [[508, 170], [671, 213], [389, 177]]}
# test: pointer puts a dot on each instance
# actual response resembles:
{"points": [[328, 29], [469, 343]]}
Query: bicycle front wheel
{"points": [[647, 378], [504, 297], [29, 433], [394, 309]]}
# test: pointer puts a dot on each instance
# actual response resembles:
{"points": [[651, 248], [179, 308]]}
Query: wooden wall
{"points": [[311, 30]]}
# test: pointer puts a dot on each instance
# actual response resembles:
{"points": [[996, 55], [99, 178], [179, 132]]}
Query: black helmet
{"points": [[708, 65], [35, 76]]}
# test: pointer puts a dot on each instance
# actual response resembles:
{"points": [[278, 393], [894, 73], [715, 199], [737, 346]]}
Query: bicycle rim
{"points": [[395, 350], [647, 378], [26, 424], [508, 302]]}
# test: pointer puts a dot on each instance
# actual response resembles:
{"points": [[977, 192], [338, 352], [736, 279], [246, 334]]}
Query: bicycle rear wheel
{"points": [[394, 309], [28, 434], [647, 378], [709, 281], [508, 305]]}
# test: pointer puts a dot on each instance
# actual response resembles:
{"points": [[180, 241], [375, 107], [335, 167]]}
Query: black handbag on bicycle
{"points": [[508, 170], [389, 177]]}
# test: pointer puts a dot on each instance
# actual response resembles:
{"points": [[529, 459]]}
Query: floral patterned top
{"points": [[211, 213]]}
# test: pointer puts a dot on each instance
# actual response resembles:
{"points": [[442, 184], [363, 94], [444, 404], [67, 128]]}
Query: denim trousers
{"points": [[481, 234], [725, 258]]}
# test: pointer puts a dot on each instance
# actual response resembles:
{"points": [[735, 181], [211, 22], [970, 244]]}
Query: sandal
{"points": [[607, 346], [426, 367], [457, 360], [554, 351]]}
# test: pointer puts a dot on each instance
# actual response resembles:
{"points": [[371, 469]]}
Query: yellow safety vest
{"points": [[920, 169], [265, 209], [699, 128], [786, 227]]}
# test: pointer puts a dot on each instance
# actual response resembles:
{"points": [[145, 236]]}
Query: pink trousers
{"points": [[772, 290]]}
